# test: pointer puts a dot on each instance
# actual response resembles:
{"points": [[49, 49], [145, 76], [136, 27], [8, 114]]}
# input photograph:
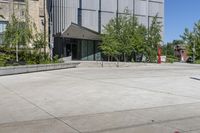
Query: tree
{"points": [[168, 49], [19, 33], [196, 46], [127, 28], [110, 45], [192, 40], [39, 42], [139, 39], [154, 38], [122, 36]]}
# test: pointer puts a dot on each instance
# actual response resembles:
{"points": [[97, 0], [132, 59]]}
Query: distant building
{"points": [[75, 25], [180, 52]]}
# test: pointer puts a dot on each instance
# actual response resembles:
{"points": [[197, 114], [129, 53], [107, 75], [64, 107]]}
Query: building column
{"points": [[80, 13], [99, 17]]}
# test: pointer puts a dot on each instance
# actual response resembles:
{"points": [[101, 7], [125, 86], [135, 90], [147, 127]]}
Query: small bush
{"points": [[5, 59], [197, 62], [170, 60]]}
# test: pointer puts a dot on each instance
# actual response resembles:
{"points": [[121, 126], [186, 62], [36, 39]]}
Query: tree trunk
{"points": [[17, 53], [125, 58], [117, 61]]}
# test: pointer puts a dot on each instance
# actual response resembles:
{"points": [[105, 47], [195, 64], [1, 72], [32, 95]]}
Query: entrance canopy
{"points": [[78, 32]]}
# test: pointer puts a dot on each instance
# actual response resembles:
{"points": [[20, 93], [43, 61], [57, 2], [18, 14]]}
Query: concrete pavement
{"points": [[136, 99]]}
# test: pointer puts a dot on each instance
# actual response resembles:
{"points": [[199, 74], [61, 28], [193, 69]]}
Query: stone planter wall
{"points": [[35, 68]]}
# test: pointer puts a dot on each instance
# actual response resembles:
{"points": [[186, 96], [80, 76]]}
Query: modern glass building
{"points": [[76, 25]]}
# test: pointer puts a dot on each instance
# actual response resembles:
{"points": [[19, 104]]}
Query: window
{"points": [[22, 13], [3, 25], [20, 0]]}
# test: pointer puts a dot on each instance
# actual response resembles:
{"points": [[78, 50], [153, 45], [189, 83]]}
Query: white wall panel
{"points": [[90, 19], [142, 20], [66, 11], [72, 3], [90, 4], [71, 16], [156, 8], [125, 4], [109, 5], [159, 20], [71, 12], [105, 18], [140, 7]]}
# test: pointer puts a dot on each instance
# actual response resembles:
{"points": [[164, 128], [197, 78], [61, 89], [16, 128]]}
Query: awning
{"points": [[79, 32]]}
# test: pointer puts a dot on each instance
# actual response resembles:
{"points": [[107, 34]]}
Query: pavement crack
{"points": [[32, 103], [151, 90]]}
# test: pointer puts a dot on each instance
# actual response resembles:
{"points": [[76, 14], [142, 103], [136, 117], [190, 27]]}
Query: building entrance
{"points": [[72, 50], [77, 49]]}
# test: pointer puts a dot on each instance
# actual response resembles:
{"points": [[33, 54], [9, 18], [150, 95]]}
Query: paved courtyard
{"points": [[138, 99]]}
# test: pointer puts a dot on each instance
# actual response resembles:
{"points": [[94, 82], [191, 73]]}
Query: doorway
{"points": [[74, 47]]}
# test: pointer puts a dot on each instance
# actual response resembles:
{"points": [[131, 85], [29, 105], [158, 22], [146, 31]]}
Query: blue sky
{"points": [[180, 14]]}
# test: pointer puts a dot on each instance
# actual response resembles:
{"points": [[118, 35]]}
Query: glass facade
{"points": [[77, 49], [94, 15]]}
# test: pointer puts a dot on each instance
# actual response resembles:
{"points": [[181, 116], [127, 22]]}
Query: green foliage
{"points": [[110, 45], [39, 42], [37, 58], [123, 35], [171, 59], [168, 49], [17, 33], [154, 39], [192, 40], [188, 38], [197, 62], [5, 59], [17, 37]]}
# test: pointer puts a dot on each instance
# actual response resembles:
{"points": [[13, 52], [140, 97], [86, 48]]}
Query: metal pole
{"points": [[44, 6], [17, 53]]}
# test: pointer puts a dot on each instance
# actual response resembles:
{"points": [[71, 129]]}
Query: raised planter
{"points": [[35, 68]]}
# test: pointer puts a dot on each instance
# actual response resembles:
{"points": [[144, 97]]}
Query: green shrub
{"points": [[170, 60], [197, 62], [5, 59], [26, 58], [56, 59]]}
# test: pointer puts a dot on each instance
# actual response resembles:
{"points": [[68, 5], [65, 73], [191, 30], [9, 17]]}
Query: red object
{"points": [[176, 132], [159, 55]]}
